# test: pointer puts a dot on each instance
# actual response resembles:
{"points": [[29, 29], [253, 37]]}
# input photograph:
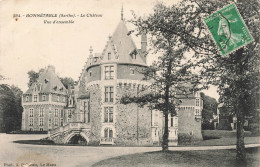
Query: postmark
{"points": [[228, 29]]}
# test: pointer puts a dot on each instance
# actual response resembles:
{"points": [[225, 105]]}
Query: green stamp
{"points": [[228, 29]]}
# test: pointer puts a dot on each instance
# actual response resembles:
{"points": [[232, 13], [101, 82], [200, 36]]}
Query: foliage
{"points": [[67, 82], [209, 109], [172, 76], [33, 76], [10, 107], [237, 75]]}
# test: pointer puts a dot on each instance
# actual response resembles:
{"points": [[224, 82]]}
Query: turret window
{"points": [[108, 114], [109, 72], [109, 94], [108, 133]]}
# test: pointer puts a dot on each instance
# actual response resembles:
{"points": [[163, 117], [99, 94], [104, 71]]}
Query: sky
{"points": [[29, 44]]}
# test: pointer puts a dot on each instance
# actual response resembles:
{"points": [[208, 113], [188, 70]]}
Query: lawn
{"points": [[221, 138], [216, 158]]}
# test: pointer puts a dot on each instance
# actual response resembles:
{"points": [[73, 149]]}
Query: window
{"points": [[31, 122], [132, 71], [27, 98], [31, 112], [171, 121], [56, 112], [61, 122], [197, 102], [197, 112], [109, 56], [109, 72], [41, 122], [108, 114], [43, 98], [56, 121], [69, 113], [133, 55], [35, 98], [58, 98], [90, 73], [41, 112], [41, 129], [108, 133], [61, 113], [109, 94]]}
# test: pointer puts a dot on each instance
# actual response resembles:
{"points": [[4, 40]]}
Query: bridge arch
{"points": [[70, 136]]}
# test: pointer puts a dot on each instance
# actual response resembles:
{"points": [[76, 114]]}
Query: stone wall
{"points": [[95, 73], [124, 72], [188, 126], [48, 114], [133, 124], [95, 115]]}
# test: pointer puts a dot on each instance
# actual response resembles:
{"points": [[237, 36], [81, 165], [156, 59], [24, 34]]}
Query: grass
{"points": [[216, 158], [211, 138]]}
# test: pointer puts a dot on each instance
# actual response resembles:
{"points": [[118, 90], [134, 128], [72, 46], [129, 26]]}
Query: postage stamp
{"points": [[228, 29]]}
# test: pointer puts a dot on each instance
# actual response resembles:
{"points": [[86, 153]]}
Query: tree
{"points": [[67, 82], [33, 76], [10, 107], [171, 76], [209, 109], [237, 75]]}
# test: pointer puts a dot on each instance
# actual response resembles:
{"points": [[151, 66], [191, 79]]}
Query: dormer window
{"points": [[46, 81], [133, 54], [43, 98], [109, 56], [55, 88], [61, 89]]}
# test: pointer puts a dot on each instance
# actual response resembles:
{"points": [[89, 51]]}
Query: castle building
{"points": [[43, 103], [92, 112]]}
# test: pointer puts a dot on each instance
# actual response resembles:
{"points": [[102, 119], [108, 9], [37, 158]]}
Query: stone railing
{"points": [[106, 140], [69, 127]]}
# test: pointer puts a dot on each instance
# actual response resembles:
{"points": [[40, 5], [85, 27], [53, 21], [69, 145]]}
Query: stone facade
{"points": [[43, 103]]}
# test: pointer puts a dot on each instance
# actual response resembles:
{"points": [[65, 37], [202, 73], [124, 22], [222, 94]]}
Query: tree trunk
{"points": [[241, 154], [165, 135]]}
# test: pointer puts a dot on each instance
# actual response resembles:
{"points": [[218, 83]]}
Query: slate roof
{"points": [[125, 45], [48, 82]]}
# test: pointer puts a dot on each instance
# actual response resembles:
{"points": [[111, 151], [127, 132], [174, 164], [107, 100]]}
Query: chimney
{"points": [[143, 42], [51, 68]]}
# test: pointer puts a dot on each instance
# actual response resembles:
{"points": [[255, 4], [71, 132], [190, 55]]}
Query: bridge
{"points": [[71, 133]]}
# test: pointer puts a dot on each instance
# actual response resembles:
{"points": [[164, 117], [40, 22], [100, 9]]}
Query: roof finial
{"points": [[122, 13]]}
